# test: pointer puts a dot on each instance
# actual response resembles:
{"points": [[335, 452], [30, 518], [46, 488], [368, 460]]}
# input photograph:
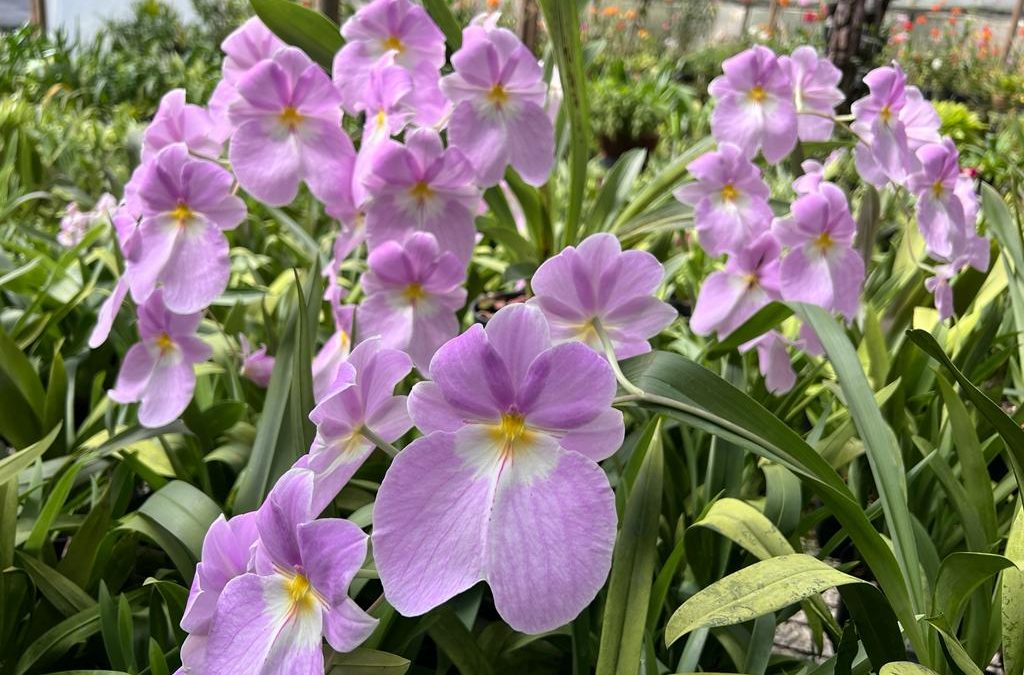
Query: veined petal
{"points": [[429, 524], [550, 543]]}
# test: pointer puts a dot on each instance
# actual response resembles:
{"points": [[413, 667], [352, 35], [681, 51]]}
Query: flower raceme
{"points": [[730, 199], [186, 206], [422, 186], [499, 118], [361, 397], [294, 593], [599, 282], [287, 120], [413, 291], [504, 486], [157, 371]]}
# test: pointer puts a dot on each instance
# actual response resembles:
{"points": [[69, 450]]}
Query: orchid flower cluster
{"points": [[767, 104], [501, 484]]}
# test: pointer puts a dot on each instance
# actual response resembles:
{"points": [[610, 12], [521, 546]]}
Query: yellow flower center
{"points": [[729, 192], [413, 292], [497, 95], [182, 213], [510, 430], [886, 114], [394, 43], [751, 280], [381, 118], [301, 592], [824, 241], [938, 189], [421, 191], [290, 117], [164, 342], [757, 94]]}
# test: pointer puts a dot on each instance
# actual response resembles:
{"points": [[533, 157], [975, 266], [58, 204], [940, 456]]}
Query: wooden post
{"points": [[38, 16], [1012, 32], [529, 18], [773, 16]]}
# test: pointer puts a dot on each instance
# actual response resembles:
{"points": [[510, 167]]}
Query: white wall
{"points": [[87, 16]]}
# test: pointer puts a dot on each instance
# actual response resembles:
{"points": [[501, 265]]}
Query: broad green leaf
{"points": [[766, 586], [62, 593], [1009, 430], [959, 574], [19, 369], [563, 24], [1012, 593], [184, 512], [12, 465], [747, 527], [905, 668], [714, 405], [179, 554], [882, 449], [633, 565], [363, 661], [783, 496], [309, 30]]}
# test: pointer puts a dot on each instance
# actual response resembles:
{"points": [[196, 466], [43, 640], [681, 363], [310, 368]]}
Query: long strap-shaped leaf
{"points": [[563, 23], [712, 404], [880, 444]]}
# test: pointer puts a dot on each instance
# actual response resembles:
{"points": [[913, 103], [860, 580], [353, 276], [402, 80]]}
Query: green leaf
{"points": [[61, 592], [766, 586], [52, 508], [280, 436], [455, 640], [185, 513], [882, 449], [1011, 433], [712, 404], [367, 662], [959, 574], [616, 190], [64, 635], [660, 187], [764, 320], [636, 554], [905, 668], [157, 662], [19, 369], [1012, 593], [973, 467], [563, 24], [747, 527], [955, 652], [56, 392], [445, 20], [12, 465], [309, 30]]}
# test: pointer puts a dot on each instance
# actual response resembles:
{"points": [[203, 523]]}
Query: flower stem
{"points": [[609, 352], [369, 435]]}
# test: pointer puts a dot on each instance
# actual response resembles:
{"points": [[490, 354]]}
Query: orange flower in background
{"points": [[783, 3], [630, 14], [493, 4], [610, 10], [1020, 31], [936, 34], [986, 33], [643, 34], [936, 7], [955, 11], [921, 19]]}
